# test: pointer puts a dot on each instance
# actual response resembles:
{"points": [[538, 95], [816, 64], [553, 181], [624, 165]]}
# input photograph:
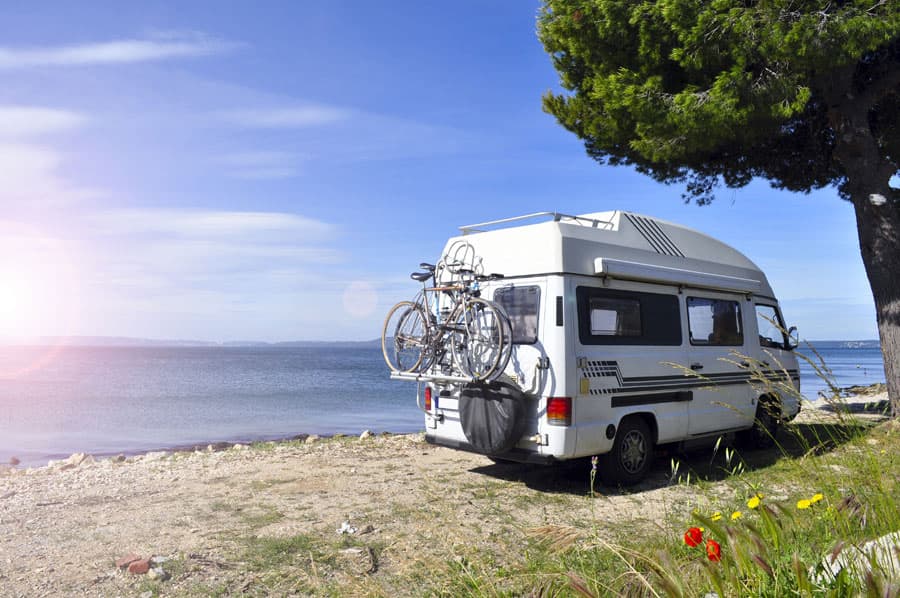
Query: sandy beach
{"points": [[222, 519]]}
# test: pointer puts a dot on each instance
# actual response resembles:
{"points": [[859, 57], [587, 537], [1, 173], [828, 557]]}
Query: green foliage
{"points": [[702, 92]]}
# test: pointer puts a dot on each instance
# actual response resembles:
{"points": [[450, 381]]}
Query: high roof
{"points": [[573, 244]]}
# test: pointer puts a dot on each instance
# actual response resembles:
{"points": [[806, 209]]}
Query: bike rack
{"points": [[412, 377]]}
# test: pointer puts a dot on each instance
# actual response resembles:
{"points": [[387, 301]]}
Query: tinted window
{"points": [[615, 317], [771, 333], [521, 304], [715, 322], [612, 317]]}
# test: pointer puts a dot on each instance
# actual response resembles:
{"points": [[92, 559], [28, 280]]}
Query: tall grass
{"points": [[784, 529]]}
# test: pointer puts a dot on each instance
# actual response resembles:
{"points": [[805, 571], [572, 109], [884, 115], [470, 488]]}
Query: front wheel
{"points": [[631, 455], [765, 425], [404, 337]]}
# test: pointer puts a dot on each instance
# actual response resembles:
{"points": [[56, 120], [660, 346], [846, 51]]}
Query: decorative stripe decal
{"points": [[655, 236], [605, 377]]}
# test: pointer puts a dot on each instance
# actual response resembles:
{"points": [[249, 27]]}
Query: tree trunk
{"points": [[878, 226]]}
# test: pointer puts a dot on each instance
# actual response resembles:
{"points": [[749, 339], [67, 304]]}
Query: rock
{"points": [[367, 529], [346, 528], [139, 567], [240, 447], [158, 573], [147, 594], [14, 461], [300, 437], [123, 561], [883, 552], [311, 438], [159, 560], [76, 459], [216, 447], [156, 455], [118, 458], [366, 434]]}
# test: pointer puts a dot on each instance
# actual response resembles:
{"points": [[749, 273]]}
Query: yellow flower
{"points": [[716, 516], [754, 501], [804, 503], [736, 515], [816, 498]]}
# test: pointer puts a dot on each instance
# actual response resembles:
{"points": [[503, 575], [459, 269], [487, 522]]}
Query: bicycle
{"points": [[448, 327]]}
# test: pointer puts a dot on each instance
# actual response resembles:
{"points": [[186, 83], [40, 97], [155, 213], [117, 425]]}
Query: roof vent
{"points": [[654, 235]]}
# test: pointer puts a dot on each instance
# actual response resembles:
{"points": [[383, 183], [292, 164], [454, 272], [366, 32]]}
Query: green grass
{"points": [[771, 550]]}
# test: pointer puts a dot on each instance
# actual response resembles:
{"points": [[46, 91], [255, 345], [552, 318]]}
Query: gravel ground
{"points": [[410, 505]]}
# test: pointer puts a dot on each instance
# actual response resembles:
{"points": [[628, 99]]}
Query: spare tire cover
{"points": [[492, 416]]}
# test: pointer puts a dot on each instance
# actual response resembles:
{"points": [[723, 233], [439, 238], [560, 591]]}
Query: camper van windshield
{"points": [[521, 304]]}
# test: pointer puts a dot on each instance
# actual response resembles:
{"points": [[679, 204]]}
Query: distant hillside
{"points": [[124, 341], [867, 344]]}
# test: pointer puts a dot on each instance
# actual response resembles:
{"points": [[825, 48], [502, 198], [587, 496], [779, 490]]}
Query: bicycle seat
{"points": [[427, 266], [421, 276]]}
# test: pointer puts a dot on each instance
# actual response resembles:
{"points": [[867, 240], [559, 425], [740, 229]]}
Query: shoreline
{"points": [[205, 446], [858, 400]]}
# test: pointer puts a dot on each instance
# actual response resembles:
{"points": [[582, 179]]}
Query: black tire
{"points": [[631, 456], [766, 424], [404, 338]]}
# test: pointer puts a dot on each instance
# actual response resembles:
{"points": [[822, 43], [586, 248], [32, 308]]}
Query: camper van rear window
{"points": [[613, 317], [715, 322], [521, 304]]}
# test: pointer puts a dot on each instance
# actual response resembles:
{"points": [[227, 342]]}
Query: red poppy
{"points": [[713, 551], [693, 537]]}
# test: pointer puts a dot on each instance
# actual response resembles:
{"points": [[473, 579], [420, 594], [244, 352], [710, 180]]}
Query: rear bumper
{"points": [[516, 454]]}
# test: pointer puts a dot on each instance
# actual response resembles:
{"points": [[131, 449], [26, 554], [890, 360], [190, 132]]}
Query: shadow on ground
{"points": [[701, 462]]}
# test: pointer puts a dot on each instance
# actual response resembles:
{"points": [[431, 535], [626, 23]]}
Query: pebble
{"points": [[158, 573], [139, 567], [123, 561]]}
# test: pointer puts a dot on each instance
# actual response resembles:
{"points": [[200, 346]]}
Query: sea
{"points": [[59, 400]]}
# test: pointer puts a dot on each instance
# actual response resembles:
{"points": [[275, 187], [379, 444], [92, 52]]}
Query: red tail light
{"points": [[427, 398], [559, 411]]}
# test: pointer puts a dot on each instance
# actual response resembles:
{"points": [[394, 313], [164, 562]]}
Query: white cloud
{"points": [[270, 227], [288, 118], [29, 175], [262, 165], [161, 47], [27, 121]]}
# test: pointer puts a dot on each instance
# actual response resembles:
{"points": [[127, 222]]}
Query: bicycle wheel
{"points": [[478, 343], [404, 337]]}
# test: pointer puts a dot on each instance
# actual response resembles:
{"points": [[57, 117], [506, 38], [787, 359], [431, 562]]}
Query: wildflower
{"points": [[804, 503], [594, 460], [736, 515], [754, 501], [716, 516], [816, 498], [713, 551], [693, 537]]}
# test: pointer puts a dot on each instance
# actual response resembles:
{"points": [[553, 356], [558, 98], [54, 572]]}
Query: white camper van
{"points": [[626, 332]]}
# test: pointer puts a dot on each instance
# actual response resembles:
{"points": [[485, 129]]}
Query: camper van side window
{"points": [[715, 322], [616, 317], [521, 304]]}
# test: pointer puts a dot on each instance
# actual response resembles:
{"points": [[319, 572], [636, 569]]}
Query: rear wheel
{"points": [[631, 455], [404, 337]]}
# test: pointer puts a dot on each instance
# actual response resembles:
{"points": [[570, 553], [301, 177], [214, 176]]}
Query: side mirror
{"points": [[793, 340]]}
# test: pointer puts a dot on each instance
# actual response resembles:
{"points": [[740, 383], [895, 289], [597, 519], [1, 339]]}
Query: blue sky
{"points": [[273, 171]]}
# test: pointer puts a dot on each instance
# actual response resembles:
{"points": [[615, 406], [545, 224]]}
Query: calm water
{"points": [[111, 400]]}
